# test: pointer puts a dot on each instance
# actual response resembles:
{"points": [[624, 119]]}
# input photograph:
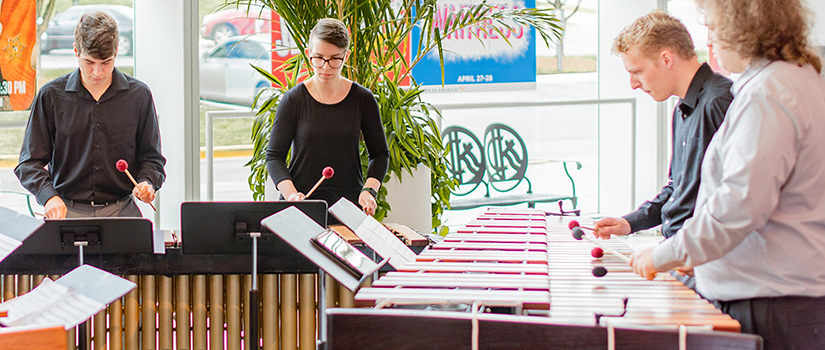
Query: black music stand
{"points": [[89, 235], [101, 236], [234, 228], [342, 261]]}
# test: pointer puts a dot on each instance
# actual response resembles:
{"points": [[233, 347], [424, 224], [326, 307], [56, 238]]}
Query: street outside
{"points": [[534, 124], [550, 132]]}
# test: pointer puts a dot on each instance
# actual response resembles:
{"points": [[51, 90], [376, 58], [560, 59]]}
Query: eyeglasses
{"points": [[334, 63]]}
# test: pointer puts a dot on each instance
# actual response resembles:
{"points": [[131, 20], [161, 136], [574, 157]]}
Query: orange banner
{"points": [[18, 39]]}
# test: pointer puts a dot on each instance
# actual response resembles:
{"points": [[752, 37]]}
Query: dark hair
{"points": [[332, 31], [769, 29], [96, 35]]}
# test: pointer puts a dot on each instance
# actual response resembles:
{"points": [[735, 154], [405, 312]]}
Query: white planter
{"points": [[410, 200], [270, 192]]}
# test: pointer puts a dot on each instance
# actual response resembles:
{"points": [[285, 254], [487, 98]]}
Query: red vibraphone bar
{"points": [[528, 261]]}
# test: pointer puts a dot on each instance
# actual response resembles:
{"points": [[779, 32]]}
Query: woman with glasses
{"points": [[757, 236], [323, 120]]}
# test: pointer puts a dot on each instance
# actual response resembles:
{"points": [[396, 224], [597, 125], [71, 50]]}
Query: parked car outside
{"points": [[225, 71], [220, 25], [60, 32]]}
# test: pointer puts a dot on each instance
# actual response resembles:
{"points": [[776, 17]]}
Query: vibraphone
{"points": [[201, 311], [192, 301], [529, 263]]}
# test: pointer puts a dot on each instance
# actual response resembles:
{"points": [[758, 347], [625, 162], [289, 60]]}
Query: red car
{"points": [[236, 21]]}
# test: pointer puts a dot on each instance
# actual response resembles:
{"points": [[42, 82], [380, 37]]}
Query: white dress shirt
{"points": [[759, 225]]}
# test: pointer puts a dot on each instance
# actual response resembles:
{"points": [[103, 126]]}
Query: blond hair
{"points": [[654, 32], [769, 29]]}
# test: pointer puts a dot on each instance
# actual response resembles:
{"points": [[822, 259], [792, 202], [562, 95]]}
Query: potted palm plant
{"points": [[380, 31]]}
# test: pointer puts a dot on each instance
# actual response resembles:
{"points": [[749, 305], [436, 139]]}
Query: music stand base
{"points": [[254, 341]]}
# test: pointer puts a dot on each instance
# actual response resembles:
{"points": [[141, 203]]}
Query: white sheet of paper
{"points": [[158, 242], [50, 303], [69, 301], [70, 310], [375, 235], [7, 246]]}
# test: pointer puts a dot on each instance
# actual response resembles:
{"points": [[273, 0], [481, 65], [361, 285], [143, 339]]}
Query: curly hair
{"points": [[769, 29], [653, 32], [96, 35]]}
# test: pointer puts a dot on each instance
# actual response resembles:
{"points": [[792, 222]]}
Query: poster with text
{"points": [[490, 63], [18, 39], [285, 48]]}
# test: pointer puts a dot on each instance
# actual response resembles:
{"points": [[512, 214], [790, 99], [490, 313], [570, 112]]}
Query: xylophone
{"points": [[530, 263]]}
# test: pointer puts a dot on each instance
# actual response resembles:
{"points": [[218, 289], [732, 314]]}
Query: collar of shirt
{"points": [[687, 104], [119, 82], [756, 66]]}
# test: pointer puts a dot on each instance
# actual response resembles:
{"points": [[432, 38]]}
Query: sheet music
{"points": [[69, 301], [50, 303], [46, 292], [7, 246], [375, 235], [14, 229], [297, 230], [386, 243], [72, 309], [158, 241]]}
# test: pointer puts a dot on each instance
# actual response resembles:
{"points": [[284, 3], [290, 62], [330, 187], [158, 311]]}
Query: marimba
{"points": [[530, 263]]}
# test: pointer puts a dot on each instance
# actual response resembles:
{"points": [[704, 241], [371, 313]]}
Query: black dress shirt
{"points": [[81, 139], [695, 119]]}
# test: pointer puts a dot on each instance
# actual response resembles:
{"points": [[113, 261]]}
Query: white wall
{"points": [[166, 59], [618, 194], [818, 30]]}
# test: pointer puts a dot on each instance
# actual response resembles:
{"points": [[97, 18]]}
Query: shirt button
{"points": [[670, 200], [97, 168], [97, 103], [667, 222], [684, 143]]}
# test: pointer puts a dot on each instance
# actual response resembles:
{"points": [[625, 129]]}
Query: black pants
{"points": [[785, 323], [124, 207]]}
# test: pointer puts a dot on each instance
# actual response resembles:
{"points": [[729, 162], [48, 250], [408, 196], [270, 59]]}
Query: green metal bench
{"points": [[28, 196], [501, 164]]}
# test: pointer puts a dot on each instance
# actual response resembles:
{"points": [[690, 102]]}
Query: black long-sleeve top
{"points": [[324, 135], [81, 140], [695, 119]]}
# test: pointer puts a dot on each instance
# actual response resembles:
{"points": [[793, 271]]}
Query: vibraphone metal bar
{"points": [[207, 310], [525, 258]]}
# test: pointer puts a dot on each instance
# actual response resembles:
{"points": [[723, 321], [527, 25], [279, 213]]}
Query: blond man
{"points": [[757, 237], [658, 52]]}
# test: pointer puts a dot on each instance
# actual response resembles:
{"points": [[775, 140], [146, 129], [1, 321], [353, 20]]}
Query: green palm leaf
{"points": [[380, 31]]}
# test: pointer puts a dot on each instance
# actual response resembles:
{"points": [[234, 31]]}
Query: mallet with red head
{"points": [[325, 174], [123, 167]]}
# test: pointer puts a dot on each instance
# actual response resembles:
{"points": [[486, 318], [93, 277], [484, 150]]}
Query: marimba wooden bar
{"points": [[531, 262]]}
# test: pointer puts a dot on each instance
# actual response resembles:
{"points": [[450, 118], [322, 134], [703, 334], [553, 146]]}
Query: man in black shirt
{"points": [[82, 123], [658, 52]]}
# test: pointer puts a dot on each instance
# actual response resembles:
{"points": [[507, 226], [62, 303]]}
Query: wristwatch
{"points": [[371, 190]]}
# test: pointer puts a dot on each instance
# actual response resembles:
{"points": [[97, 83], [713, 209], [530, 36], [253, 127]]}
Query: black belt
{"points": [[100, 204]]}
